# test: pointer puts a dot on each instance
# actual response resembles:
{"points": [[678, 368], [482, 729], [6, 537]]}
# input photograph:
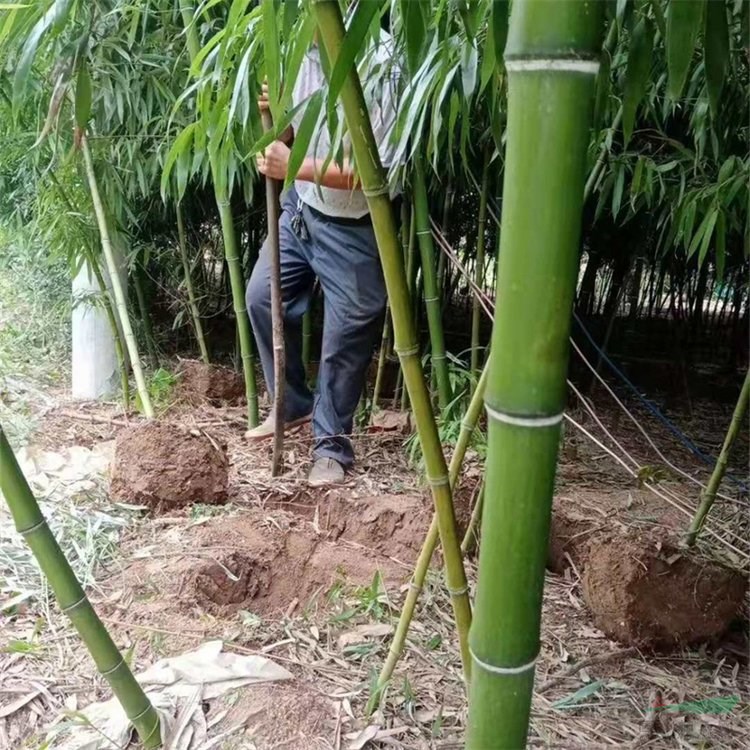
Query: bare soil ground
{"points": [[314, 580]]}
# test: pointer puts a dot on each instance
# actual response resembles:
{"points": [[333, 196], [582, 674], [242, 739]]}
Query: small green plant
{"points": [[160, 388], [463, 382]]}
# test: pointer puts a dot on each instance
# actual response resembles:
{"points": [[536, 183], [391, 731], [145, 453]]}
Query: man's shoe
{"points": [[325, 471], [264, 430]]}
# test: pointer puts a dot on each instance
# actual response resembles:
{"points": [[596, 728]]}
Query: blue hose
{"points": [[652, 408]]}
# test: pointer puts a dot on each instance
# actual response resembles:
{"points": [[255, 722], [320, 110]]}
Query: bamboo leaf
{"points": [[499, 28], [469, 59], [707, 235], [635, 184], [637, 74], [28, 52], [62, 10], [708, 220], [579, 695], [272, 55], [350, 47], [469, 12], [415, 30], [683, 24], [291, 12], [83, 97], [295, 54], [721, 246], [303, 136], [617, 191], [716, 51], [181, 144]]}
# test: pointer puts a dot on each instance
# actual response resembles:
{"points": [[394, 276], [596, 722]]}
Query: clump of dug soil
{"points": [[648, 593], [166, 467], [209, 384]]}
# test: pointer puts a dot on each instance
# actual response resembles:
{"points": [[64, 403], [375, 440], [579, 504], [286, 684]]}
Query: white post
{"points": [[94, 367]]}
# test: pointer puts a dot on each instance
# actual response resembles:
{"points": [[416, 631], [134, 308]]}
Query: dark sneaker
{"points": [[264, 430], [325, 471]]}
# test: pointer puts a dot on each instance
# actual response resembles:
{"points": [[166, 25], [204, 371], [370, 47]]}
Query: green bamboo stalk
{"points": [[32, 526], [119, 293], [468, 425], [551, 59], [148, 331], [479, 268], [195, 314], [327, 14], [442, 265], [117, 337], [231, 253], [237, 284], [431, 292], [472, 530], [116, 333], [411, 285], [382, 359], [708, 496]]}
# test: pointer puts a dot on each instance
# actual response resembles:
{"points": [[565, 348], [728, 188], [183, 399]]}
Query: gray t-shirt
{"points": [[379, 81]]}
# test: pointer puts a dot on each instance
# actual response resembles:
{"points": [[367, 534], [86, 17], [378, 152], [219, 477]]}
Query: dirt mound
{"points": [[209, 384], [258, 566], [569, 534], [287, 715], [643, 592], [393, 525], [164, 467]]}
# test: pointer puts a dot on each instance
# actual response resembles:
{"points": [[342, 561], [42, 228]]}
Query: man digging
{"points": [[325, 230]]}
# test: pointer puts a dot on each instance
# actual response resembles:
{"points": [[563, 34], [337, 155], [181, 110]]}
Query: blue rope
{"points": [[652, 408]]}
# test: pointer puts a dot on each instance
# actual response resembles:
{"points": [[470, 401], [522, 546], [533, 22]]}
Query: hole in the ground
{"points": [[234, 580]]}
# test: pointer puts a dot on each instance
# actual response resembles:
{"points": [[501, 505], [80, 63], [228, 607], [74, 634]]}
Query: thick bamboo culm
{"points": [[195, 315], [432, 302], [708, 496], [330, 24], [231, 254], [551, 59], [121, 303], [273, 213], [468, 425], [32, 526]]}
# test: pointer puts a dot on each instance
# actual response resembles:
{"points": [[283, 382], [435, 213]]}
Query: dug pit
{"points": [[645, 592], [166, 467], [245, 562]]}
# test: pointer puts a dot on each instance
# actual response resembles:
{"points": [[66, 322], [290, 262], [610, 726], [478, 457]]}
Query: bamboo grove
{"points": [[130, 130]]}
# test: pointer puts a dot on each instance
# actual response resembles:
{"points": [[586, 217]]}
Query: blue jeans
{"points": [[345, 259]]}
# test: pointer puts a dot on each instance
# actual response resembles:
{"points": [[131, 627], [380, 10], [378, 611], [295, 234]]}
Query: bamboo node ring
{"points": [[114, 669], [33, 528], [519, 421], [407, 352], [432, 299], [133, 719], [376, 191], [503, 670], [422, 232], [71, 607], [438, 481], [414, 587], [559, 65], [458, 592]]}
